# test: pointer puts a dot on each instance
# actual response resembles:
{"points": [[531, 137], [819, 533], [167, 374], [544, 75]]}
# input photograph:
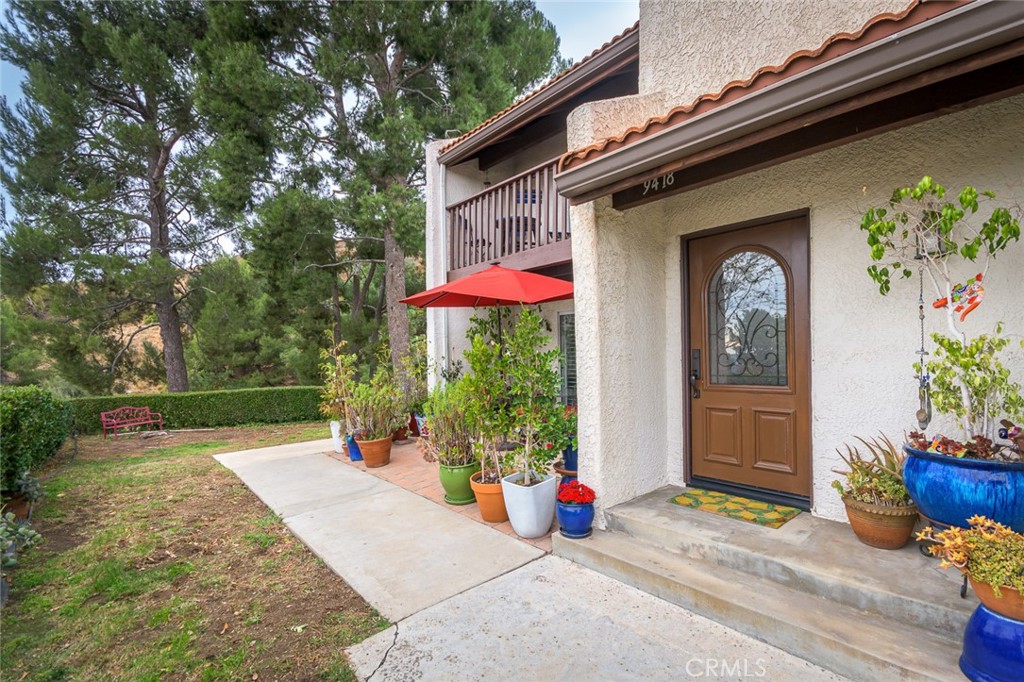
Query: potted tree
{"points": [[953, 480], [991, 555], [878, 506], [450, 442], [337, 370], [488, 411], [377, 409], [538, 425]]}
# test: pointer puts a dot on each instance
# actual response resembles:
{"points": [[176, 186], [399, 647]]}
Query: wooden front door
{"points": [[749, 358]]}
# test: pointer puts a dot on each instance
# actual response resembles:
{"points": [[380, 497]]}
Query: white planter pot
{"points": [[531, 510], [336, 435]]}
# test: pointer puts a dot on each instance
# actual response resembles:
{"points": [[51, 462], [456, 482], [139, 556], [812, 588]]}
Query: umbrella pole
{"points": [[501, 344]]}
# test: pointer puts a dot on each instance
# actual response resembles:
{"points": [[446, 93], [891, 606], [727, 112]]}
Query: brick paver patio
{"points": [[408, 470]]}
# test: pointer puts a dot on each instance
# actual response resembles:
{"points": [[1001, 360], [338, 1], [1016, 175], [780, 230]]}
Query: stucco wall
{"points": [[466, 179], [541, 151], [627, 267], [620, 327], [691, 47]]}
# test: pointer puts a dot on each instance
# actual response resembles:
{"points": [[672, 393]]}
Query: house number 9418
{"points": [[661, 182]]}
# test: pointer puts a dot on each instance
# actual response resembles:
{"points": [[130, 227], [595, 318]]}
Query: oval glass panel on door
{"points": [[749, 360]]}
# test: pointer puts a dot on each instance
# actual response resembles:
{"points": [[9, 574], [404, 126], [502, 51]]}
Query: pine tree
{"points": [[375, 80], [106, 160]]}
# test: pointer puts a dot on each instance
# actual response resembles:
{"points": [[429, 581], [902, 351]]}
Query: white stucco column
{"points": [[436, 255], [619, 276]]}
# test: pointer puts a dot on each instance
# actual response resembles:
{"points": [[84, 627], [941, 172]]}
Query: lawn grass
{"points": [[158, 563]]}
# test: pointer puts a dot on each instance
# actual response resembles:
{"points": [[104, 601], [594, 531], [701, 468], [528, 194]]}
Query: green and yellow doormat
{"points": [[753, 511]]}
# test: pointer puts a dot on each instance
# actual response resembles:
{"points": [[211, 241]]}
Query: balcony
{"points": [[521, 222]]}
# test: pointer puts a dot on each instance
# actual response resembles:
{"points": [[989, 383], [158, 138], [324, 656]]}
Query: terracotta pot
{"points": [[881, 527], [376, 453], [401, 434], [490, 499], [1010, 604], [20, 506]]}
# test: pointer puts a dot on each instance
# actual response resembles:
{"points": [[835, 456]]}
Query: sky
{"points": [[585, 25]]}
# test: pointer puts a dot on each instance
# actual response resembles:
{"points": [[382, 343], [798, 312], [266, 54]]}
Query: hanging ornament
{"points": [[924, 397], [966, 297]]}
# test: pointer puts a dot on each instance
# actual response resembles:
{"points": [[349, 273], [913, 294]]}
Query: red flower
{"points": [[575, 492]]}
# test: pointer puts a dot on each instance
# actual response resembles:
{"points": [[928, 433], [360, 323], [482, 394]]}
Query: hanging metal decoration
{"points": [[924, 410]]}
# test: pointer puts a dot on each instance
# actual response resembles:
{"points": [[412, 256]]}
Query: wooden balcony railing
{"points": [[522, 215]]}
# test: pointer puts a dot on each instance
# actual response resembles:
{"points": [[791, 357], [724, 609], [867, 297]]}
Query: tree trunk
{"points": [[398, 313], [174, 350], [160, 246], [336, 310]]}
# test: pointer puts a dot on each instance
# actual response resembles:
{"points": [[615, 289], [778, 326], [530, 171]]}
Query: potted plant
{"points": [[570, 455], [878, 506], [450, 442], [377, 410], [15, 536], [575, 509], [27, 491], [415, 370], [991, 555], [337, 370], [537, 422], [488, 413], [951, 481]]}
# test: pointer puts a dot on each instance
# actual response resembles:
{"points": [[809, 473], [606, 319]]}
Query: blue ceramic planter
{"points": [[993, 648], [354, 453], [570, 457], [950, 490], [575, 520]]}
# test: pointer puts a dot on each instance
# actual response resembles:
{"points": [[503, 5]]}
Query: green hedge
{"points": [[33, 426], [204, 409]]}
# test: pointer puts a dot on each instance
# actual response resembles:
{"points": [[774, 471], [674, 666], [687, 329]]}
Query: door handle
{"points": [[695, 374]]}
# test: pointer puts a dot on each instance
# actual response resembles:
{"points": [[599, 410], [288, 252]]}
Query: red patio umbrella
{"points": [[494, 286]]}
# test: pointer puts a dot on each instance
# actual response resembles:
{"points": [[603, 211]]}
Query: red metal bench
{"points": [[127, 417]]}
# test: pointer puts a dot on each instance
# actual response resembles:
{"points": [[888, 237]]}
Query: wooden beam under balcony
{"points": [[532, 259]]}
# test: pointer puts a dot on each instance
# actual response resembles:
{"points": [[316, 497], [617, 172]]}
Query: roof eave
{"points": [[958, 33], [615, 55]]}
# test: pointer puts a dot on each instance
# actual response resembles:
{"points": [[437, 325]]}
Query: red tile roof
{"points": [[876, 28], [544, 86]]}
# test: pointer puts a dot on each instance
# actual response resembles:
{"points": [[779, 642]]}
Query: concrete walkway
{"points": [[400, 551], [470, 602]]}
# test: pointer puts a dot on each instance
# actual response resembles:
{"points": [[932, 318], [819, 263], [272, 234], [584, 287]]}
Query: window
{"points": [[567, 345], [747, 327]]}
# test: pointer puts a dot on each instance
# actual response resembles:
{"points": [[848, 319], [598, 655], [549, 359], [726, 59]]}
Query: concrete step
{"points": [[858, 644], [811, 555]]}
